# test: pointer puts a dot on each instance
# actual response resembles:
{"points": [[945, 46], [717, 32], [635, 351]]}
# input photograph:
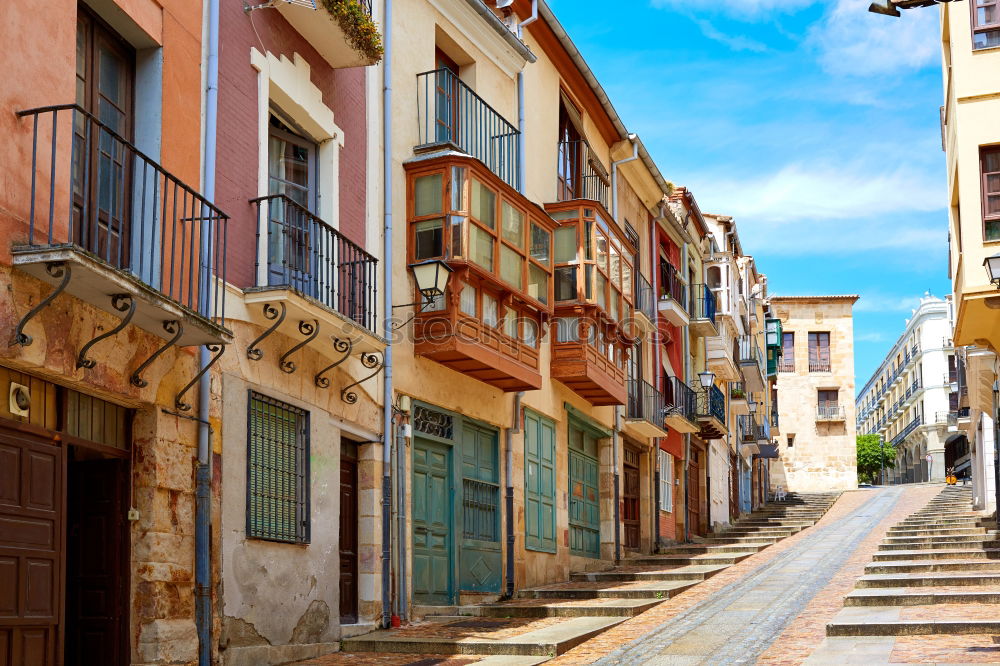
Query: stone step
{"points": [[542, 607], [485, 636], [923, 596], [941, 545], [925, 566], [778, 523], [935, 554], [696, 572], [944, 538], [680, 560], [698, 549], [658, 590], [929, 580], [944, 531], [914, 620]]}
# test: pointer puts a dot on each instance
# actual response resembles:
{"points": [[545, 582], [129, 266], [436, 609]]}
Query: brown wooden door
{"points": [[32, 474], [694, 493], [630, 498], [96, 563], [105, 81], [348, 533]]}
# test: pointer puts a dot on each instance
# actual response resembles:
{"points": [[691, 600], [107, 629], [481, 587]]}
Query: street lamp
{"points": [[707, 378], [892, 7], [431, 277], [992, 265], [752, 406]]}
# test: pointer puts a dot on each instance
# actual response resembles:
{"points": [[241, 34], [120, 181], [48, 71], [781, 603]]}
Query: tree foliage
{"points": [[871, 455]]}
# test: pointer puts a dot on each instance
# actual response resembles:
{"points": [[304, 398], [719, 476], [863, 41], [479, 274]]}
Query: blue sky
{"points": [[814, 123]]}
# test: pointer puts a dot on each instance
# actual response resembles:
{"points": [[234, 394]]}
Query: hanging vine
{"points": [[359, 27]]}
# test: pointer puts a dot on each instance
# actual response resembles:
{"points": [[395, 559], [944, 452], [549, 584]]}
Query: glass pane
{"points": [[567, 329], [616, 265], [566, 245], [601, 291], [993, 182], [490, 309], [615, 297], [510, 266], [588, 284], [627, 285], [510, 323], [986, 39], [538, 283], [468, 300], [530, 330], [602, 251], [435, 305], [993, 205], [565, 283], [512, 225], [481, 247], [457, 188], [588, 241], [428, 239], [540, 242], [427, 195], [484, 204], [986, 15], [457, 225], [565, 215]]}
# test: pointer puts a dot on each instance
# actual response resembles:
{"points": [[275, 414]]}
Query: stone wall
{"points": [[823, 454]]}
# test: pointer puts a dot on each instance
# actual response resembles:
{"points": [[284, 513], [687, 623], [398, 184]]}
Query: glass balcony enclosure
{"points": [[500, 246]]}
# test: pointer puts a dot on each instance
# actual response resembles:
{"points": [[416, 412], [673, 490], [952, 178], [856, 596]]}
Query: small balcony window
{"points": [[985, 23]]}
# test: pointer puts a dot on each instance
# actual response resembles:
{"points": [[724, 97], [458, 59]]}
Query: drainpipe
{"points": [[402, 432], [654, 244], [203, 475], [521, 148], [515, 427], [387, 264]]}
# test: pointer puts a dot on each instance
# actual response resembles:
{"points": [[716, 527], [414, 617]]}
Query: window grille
{"points": [[432, 422], [480, 501], [277, 470]]}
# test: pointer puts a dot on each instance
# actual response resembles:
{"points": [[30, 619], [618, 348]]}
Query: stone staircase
{"points": [[544, 622], [937, 572]]}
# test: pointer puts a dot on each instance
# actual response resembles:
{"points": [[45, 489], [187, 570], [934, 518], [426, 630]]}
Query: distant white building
{"points": [[908, 399]]}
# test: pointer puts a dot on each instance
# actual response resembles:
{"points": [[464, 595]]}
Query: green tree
{"points": [[871, 455]]}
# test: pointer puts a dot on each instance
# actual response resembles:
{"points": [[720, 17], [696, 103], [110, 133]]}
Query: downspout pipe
{"points": [[522, 157], [387, 331], [686, 350], [654, 244], [402, 430], [203, 475], [515, 427], [615, 444]]}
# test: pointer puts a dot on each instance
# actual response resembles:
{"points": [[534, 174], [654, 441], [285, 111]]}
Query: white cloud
{"points": [[874, 336], [850, 40], [886, 303], [734, 42]]}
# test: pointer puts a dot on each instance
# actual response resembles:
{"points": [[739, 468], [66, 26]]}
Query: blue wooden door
{"points": [[584, 493], [433, 517], [539, 483], [480, 561]]}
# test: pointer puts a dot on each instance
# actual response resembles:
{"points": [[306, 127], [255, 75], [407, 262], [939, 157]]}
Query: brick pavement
{"points": [[637, 627], [808, 630]]}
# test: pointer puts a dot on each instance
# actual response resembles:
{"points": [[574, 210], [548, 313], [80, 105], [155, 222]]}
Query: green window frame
{"points": [[277, 470], [539, 483]]}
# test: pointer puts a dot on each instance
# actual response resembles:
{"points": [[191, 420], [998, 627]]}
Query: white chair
{"points": [[779, 494]]}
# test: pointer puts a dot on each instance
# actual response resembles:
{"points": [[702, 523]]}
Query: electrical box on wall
{"points": [[20, 399]]}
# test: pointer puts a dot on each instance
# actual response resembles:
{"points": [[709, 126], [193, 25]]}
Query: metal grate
{"points": [[479, 503], [432, 422], [277, 470]]}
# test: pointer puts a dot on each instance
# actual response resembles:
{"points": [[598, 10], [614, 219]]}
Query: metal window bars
{"points": [[645, 402], [644, 301], [712, 402], [829, 411], [123, 209], [580, 174], [680, 398], [671, 285], [306, 254], [702, 302], [450, 113]]}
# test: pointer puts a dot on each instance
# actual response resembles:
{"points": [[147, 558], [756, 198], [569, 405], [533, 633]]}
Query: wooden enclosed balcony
{"points": [[499, 245], [587, 357]]}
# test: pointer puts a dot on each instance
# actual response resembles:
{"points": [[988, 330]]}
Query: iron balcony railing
{"points": [[306, 254], [774, 418], [645, 402], [702, 303], [712, 402], [644, 301], [671, 285], [451, 113], [829, 412], [749, 351], [746, 427], [680, 398], [763, 431], [123, 209], [737, 391], [366, 6], [580, 174], [910, 427]]}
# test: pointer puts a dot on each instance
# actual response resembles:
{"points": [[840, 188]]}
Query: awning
{"points": [[767, 451]]}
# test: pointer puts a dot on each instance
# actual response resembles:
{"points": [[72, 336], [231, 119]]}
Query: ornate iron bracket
{"points": [[218, 350], [255, 353], [176, 329], [370, 360], [56, 270], [122, 303], [307, 329], [344, 346]]}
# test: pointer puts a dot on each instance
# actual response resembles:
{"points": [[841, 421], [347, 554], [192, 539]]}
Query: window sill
{"points": [[540, 549], [985, 49]]}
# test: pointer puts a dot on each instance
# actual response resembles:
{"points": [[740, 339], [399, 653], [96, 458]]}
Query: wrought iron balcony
{"points": [[751, 362], [580, 173], [910, 427], [450, 114], [830, 412], [681, 404], [702, 310], [111, 226], [304, 253], [644, 301], [712, 412], [673, 302], [645, 403]]}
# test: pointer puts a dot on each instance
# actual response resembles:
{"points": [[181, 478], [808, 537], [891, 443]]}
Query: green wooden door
{"points": [[539, 483], [480, 561], [584, 495], [433, 517]]}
